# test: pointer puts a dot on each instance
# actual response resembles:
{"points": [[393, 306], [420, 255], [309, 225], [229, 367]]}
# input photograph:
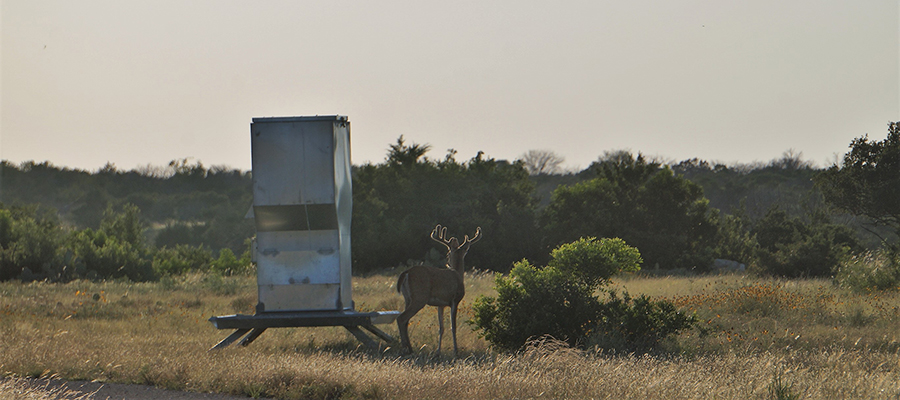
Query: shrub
{"points": [[109, 257], [791, 247], [735, 242], [558, 300], [595, 261], [117, 249], [126, 226], [878, 270], [181, 259], [814, 256], [28, 245], [638, 324], [221, 286], [227, 264], [6, 228], [533, 302]]}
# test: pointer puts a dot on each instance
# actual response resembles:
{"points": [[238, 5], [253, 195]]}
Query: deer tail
{"points": [[401, 279]]}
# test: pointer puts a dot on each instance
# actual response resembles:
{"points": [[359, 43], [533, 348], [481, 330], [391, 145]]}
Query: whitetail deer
{"points": [[440, 287]]}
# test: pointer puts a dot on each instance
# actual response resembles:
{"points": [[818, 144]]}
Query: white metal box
{"points": [[302, 203]]}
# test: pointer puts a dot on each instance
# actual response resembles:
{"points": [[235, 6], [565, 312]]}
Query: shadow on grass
{"points": [[388, 352]]}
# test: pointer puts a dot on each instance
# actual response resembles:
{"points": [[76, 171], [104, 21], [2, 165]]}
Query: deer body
{"points": [[440, 287]]}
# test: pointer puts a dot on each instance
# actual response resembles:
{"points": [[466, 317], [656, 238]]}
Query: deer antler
{"points": [[468, 242], [438, 235]]}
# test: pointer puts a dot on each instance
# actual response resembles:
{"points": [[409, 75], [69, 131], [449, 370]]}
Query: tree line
{"points": [[783, 218]]}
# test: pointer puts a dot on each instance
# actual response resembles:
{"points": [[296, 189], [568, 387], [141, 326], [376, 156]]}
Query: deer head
{"points": [[456, 252]]}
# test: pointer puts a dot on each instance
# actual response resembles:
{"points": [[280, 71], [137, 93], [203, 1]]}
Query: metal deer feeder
{"points": [[302, 204]]}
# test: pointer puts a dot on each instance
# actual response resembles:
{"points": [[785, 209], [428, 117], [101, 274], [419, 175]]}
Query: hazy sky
{"points": [[138, 82]]}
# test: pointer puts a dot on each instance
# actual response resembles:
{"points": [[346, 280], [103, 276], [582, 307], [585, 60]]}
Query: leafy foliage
{"points": [[34, 246], [638, 324], [642, 202], [227, 264], [117, 249], [213, 200], [30, 242], [652, 206], [397, 203], [791, 247], [868, 181], [558, 300], [735, 240], [182, 258], [532, 302], [126, 225], [109, 257], [594, 261], [785, 182], [878, 270]]}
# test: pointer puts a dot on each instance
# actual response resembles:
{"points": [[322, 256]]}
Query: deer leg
{"points": [[440, 311], [403, 323], [453, 309]]}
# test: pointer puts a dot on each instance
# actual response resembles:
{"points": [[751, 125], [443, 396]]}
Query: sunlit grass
{"points": [[22, 389], [818, 340]]}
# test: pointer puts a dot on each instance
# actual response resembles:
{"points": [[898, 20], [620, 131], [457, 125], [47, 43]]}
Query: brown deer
{"points": [[440, 287]]}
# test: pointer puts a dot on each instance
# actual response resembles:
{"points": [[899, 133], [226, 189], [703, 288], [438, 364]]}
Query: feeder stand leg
{"points": [[378, 332], [361, 336], [230, 339], [252, 336]]}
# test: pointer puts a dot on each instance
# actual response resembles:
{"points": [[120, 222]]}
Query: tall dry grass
{"points": [[804, 337], [22, 389]]}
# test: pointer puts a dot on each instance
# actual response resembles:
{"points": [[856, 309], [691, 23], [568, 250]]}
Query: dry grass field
{"points": [[760, 339]]}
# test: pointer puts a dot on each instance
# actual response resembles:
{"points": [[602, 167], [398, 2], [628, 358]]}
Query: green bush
{"points": [[107, 256], [792, 247], [227, 264], [181, 259], [814, 256], [117, 249], [558, 300], [878, 270], [533, 302], [30, 246], [34, 246], [735, 242], [595, 261], [638, 324], [126, 226]]}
